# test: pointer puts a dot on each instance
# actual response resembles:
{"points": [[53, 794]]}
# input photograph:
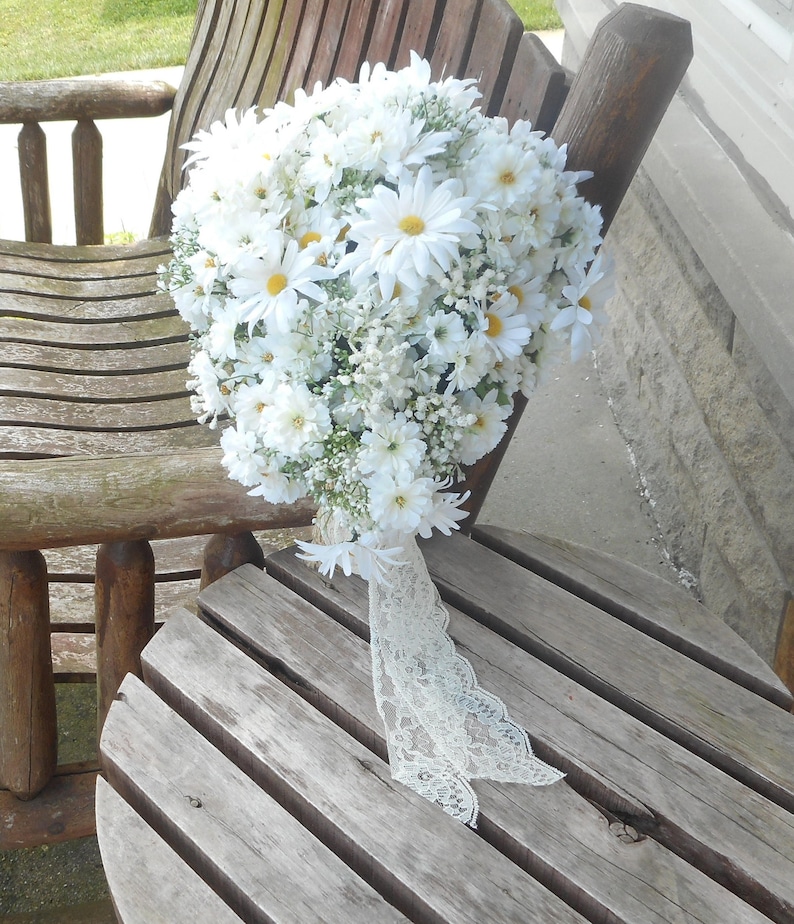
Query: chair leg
{"points": [[223, 553], [124, 608], [28, 723]]}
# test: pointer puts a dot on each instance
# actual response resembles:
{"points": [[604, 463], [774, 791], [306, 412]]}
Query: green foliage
{"points": [[63, 38]]}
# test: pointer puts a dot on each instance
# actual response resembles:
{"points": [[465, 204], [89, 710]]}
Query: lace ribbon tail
{"points": [[442, 728]]}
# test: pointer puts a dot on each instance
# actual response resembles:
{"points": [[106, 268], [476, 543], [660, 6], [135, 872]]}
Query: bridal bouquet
{"points": [[371, 274]]}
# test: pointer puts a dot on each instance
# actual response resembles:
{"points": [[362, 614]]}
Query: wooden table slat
{"points": [[609, 755], [736, 730], [339, 788], [657, 607], [139, 858], [236, 837], [555, 833]]}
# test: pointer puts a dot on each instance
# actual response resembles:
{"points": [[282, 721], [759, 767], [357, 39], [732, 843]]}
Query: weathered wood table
{"points": [[246, 777]]}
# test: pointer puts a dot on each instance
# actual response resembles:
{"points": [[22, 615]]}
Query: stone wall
{"points": [[699, 358], [702, 418]]}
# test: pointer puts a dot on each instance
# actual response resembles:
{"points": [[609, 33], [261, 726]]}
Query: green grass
{"points": [[537, 15], [62, 38]]}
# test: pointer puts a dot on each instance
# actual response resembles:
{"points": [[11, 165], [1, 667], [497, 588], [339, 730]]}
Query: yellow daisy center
{"points": [[276, 283], [298, 422], [495, 325], [412, 225], [209, 263], [310, 237], [518, 292], [584, 302]]}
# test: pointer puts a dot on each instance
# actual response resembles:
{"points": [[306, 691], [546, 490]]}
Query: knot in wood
{"points": [[625, 833]]}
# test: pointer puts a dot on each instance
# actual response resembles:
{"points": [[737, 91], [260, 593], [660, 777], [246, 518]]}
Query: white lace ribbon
{"points": [[443, 730]]}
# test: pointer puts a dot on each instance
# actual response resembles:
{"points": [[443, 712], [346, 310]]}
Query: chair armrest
{"points": [[83, 98], [81, 500], [85, 101]]}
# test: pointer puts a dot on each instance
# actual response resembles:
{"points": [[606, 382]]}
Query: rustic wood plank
{"points": [[633, 65], [340, 789], [73, 256], [537, 85], [82, 500], [73, 657], [134, 857], [608, 755], [493, 51], [35, 183], [88, 98], [422, 25], [124, 595], [87, 170], [28, 729], [63, 811], [555, 833], [247, 848], [93, 388], [132, 417], [721, 722], [46, 445], [646, 601], [136, 332], [152, 358]]}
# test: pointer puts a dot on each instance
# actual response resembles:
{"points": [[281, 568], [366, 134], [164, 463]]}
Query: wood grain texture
{"points": [[124, 599], [87, 98], [609, 755], [34, 183], [726, 725], [62, 811], [76, 500], [557, 834], [135, 857], [339, 789], [28, 730], [248, 849], [657, 607]]}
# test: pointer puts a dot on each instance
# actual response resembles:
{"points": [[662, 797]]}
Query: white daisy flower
{"points": [[296, 421], [488, 428], [505, 330], [271, 284], [399, 503], [411, 233], [392, 446], [587, 294], [446, 335]]}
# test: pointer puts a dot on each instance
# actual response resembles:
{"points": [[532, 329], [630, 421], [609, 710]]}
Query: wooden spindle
{"points": [[28, 724], [124, 607], [225, 552], [88, 199], [35, 183]]}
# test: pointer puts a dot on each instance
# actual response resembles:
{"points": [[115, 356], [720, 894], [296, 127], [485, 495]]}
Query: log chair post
{"points": [[225, 552], [632, 68], [28, 723], [34, 180], [124, 609], [87, 170]]}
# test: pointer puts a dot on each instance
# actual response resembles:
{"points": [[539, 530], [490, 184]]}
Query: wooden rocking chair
{"points": [[97, 441]]}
